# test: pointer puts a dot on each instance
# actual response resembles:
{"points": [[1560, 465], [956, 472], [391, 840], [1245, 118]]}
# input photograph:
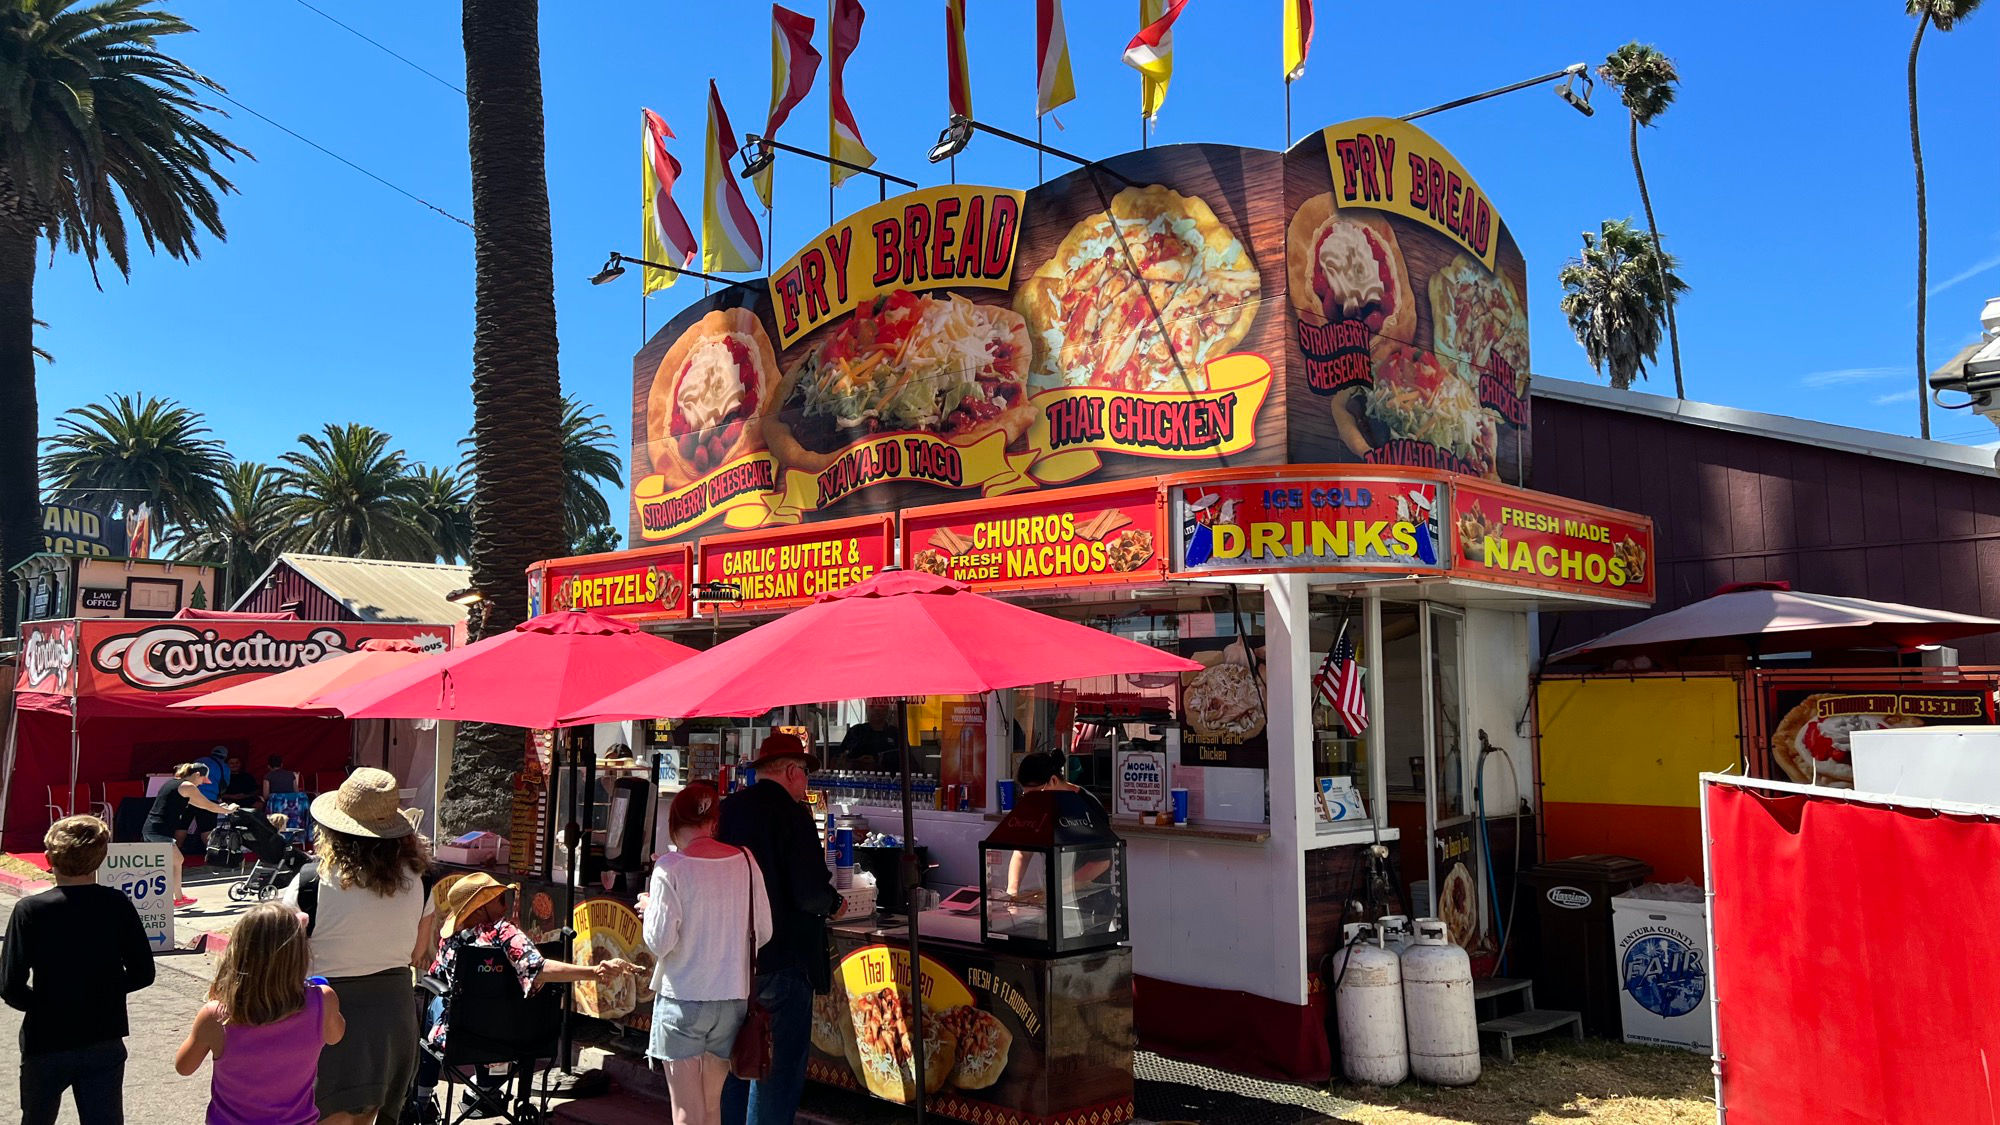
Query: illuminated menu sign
{"points": [[786, 567]]}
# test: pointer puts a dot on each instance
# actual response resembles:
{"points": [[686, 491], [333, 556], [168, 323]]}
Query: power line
{"points": [[433, 76], [296, 135]]}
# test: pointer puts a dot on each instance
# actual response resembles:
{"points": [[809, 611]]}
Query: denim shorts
{"points": [[685, 1029]]}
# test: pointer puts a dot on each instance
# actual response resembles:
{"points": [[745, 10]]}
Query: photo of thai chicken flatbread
{"points": [[1141, 296], [605, 1000], [1224, 703], [1421, 396], [907, 362], [886, 1048], [982, 1046], [709, 395], [1477, 317], [1347, 265], [1815, 750]]}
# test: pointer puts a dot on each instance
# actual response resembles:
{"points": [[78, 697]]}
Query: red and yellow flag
{"points": [[844, 35], [957, 75], [664, 235], [1054, 84], [794, 64], [1298, 36], [1151, 52], [730, 241]]}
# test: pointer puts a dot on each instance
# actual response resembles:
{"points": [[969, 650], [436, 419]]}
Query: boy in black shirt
{"points": [[73, 953]]}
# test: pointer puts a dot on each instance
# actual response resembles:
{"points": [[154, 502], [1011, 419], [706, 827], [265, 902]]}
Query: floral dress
{"points": [[521, 954]]}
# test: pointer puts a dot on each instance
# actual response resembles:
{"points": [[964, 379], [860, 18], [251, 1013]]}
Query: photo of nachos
{"points": [[709, 395], [1477, 317], [1474, 525], [906, 362], [1628, 551], [1141, 296], [1421, 396], [1129, 549], [1347, 265], [930, 560]]}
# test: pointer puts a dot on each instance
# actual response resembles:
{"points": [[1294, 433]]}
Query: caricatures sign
{"points": [[168, 660]]}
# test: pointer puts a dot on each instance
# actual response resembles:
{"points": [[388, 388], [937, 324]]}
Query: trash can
{"points": [[1662, 965], [1575, 963]]}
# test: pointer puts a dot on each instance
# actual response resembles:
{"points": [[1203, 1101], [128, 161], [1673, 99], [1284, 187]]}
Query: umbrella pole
{"points": [[573, 872], [912, 878]]}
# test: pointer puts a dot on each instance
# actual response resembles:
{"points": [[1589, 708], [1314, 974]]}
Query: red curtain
{"points": [[1854, 963], [127, 749]]}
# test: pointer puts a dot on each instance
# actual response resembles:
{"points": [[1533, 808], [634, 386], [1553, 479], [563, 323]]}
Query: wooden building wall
{"points": [[1731, 506], [286, 585]]}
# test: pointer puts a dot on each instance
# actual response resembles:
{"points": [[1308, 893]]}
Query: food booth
{"points": [[1264, 410]]}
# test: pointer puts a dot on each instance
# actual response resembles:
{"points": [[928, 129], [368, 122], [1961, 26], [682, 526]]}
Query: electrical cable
{"points": [[296, 135], [385, 50]]}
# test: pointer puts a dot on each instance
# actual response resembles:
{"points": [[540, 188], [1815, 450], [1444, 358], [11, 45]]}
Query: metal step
{"points": [[1534, 1021], [1493, 987]]}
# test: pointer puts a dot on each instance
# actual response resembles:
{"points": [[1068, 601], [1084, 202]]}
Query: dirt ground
{"points": [[1594, 1081]]}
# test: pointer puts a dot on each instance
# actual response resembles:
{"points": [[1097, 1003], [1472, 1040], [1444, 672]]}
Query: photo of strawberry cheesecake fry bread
{"points": [[709, 395]]}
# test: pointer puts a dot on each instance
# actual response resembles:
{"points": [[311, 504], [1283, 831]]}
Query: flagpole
{"points": [[1038, 141], [1288, 113], [829, 105]]}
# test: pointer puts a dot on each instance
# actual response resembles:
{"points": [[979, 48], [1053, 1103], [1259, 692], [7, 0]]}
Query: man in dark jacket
{"points": [[771, 820]]}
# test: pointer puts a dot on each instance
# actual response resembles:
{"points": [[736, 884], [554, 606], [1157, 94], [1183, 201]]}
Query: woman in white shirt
{"points": [[706, 915], [370, 905]]}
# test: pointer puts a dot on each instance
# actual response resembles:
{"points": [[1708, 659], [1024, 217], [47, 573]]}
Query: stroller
{"points": [[276, 860]]}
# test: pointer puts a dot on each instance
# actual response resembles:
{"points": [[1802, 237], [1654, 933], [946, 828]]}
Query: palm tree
{"points": [[1945, 14], [1615, 301], [445, 499], [347, 493], [1645, 81], [589, 455], [134, 449], [597, 540], [517, 517], [98, 128], [243, 537]]}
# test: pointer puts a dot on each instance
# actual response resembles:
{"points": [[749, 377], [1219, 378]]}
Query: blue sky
{"points": [[1781, 177]]}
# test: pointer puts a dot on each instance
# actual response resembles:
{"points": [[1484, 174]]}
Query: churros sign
{"points": [[1100, 535]]}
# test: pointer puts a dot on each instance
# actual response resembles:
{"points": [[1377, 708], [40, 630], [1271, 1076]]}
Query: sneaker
{"points": [[184, 902]]}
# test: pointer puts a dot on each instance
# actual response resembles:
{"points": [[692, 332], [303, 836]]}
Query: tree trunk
{"points": [[20, 482], [1923, 239], [1659, 259], [517, 514]]}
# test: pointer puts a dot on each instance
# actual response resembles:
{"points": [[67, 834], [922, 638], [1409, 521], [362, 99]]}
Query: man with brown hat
{"points": [[771, 820]]}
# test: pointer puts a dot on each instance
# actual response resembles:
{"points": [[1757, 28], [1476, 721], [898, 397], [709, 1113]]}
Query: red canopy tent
{"points": [[93, 698]]}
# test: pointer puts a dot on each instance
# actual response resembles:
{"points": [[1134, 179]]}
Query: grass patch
{"points": [[1596, 1081]]}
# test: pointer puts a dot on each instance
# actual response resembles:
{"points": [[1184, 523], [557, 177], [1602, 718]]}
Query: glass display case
{"points": [[1052, 877]]}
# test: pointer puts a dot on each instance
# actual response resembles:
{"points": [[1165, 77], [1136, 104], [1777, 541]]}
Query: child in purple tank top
{"points": [[264, 1023]]}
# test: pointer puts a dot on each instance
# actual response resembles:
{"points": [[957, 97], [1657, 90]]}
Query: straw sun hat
{"points": [[466, 895], [366, 804]]}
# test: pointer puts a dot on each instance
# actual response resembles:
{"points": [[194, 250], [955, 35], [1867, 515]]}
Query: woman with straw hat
{"points": [[474, 912], [367, 903]]}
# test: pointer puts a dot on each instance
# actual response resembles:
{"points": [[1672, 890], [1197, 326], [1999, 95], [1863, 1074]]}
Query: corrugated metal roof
{"points": [[379, 590], [1937, 454]]}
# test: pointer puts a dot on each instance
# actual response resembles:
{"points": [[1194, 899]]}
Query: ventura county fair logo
{"points": [[168, 657], [49, 654]]}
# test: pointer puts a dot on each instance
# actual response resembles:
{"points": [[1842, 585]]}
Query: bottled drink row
{"points": [[865, 789]]}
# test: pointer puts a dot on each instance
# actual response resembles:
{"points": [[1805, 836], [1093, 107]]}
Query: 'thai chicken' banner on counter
{"points": [[1354, 300]]}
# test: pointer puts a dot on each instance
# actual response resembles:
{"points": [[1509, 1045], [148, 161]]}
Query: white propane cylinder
{"points": [[1438, 1009], [1396, 932], [1368, 1001]]}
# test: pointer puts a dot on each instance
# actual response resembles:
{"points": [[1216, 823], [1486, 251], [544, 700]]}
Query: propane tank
{"points": [[1437, 1006], [1368, 1001], [1396, 932]]}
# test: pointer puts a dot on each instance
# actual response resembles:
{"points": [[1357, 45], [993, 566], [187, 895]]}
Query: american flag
{"points": [[1339, 684]]}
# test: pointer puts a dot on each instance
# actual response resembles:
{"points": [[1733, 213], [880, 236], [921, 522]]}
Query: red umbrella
{"points": [[533, 675], [1766, 617], [298, 689], [900, 633]]}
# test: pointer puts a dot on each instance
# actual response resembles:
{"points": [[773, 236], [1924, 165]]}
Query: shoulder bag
{"points": [[750, 1056]]}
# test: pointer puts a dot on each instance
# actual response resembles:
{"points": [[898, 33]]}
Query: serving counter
{"points": [[1010, 1039]]}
